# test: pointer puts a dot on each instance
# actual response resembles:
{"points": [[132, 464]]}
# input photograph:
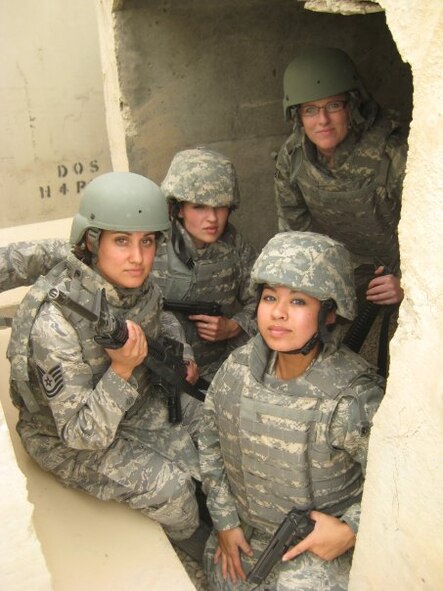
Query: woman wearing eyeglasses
{"points": [[341, 171]]}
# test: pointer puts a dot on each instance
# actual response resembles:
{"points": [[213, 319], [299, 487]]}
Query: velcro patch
{"points": [[52, 380]]}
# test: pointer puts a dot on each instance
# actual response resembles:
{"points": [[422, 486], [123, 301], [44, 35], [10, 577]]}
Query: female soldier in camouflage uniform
{"points": [[341, 171], [206, 258], [91, 415], [286, 424]]}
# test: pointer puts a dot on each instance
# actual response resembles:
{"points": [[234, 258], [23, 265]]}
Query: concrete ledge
{"points": [[86, 543]]}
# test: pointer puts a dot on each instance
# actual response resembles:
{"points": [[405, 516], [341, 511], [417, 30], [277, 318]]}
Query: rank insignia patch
{"points": [[51, 381]]}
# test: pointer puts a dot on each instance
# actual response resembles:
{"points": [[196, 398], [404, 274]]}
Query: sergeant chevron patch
{"points": [[52, 380]]}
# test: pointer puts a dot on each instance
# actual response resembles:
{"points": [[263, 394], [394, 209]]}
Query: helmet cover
{"points": [[310, 263], [203, 177]]}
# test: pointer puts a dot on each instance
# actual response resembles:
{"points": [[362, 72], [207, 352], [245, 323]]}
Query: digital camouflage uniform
{"points": [[77, 418], [356, 196], [357, 200], [93, 430], [218, 272], [231, 260], [21, 263], [267, 445]]}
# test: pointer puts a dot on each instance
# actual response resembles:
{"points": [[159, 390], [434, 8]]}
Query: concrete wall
{"points": [[207, 72], [52, 122], [18, 532], [400, 545]]}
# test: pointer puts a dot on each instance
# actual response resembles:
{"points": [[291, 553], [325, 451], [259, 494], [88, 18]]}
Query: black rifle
{"points": [[361, 325], [165, 355], [190, 308], [294, 528]]}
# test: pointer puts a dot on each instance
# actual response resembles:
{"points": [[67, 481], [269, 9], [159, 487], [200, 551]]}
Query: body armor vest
{"points": [[82, 289], [212, 276], [352, 204], [18, 351], [278, 433], [145, 422]]}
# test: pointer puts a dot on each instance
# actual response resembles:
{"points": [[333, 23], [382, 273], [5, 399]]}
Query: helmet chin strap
{"points": [[93, 236], [321, 334], [308, 346], [179, 245]]}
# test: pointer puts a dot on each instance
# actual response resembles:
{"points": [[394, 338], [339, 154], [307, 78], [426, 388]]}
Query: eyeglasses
{"points": [[313, 110]]}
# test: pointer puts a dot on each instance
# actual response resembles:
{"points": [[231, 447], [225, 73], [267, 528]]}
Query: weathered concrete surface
{"points": [[400, 545], [52, 124], [344, 7], [201, 72], [17, 527]]}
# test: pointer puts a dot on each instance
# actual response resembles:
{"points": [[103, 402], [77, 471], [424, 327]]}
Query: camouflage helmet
{"points": [[202, 176], [317, 73], [120, 201], [311, 263]]}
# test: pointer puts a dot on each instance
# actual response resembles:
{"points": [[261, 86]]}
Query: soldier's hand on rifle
{"points": [[132, 354], [192, 373], [215, 328], [384, 289], [329, 539], [231, 543]]}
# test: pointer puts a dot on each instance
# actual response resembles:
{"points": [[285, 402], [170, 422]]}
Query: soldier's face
{"points": [[286, 319], [125, 259], [327, 130], [203, 223]]}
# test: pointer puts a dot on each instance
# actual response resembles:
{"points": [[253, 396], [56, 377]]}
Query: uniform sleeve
{"points": [[245, 317], [21, 263], [397, 151], [292, 211], [350, 429], [389, 204], [220, 501], [86, 415]]}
